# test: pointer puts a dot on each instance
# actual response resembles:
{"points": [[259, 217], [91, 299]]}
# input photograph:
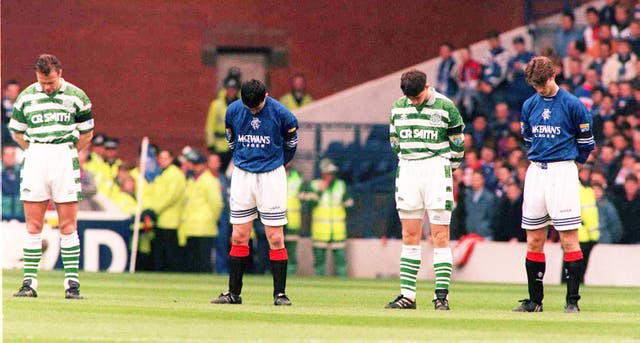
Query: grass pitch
{"points": [[149, 307]]}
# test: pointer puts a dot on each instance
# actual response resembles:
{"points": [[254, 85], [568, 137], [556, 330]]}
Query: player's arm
{"points": [[84, 122], [393, 136], [290, 135], [455, 136], [584, 136], [229, 133], [84, 140], [19, 138], [18, 124], [525, 127]]}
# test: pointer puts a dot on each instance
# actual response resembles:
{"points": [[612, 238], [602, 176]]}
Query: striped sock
{"points": [[410, 259], [442, 266], [70, 252], [32, 252]]}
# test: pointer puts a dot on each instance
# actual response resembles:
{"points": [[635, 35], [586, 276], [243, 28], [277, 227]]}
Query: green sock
{"points": [[442, 266], [70, 253], [32, 253], [410, 259]]}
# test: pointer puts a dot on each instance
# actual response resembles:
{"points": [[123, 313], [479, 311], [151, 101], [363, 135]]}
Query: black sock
{"points": [[573, 274], [535, 274], [279, 271], [237, 266]]}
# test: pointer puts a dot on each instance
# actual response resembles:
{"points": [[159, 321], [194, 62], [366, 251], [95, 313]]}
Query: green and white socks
{"points": [[442, 266], [70, 253], [32, 253], [410, 260]]}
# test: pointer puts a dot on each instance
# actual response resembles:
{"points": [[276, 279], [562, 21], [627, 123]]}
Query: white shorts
{"points": [[51, 171], [552, 196], [263, 193], [425, 185]]}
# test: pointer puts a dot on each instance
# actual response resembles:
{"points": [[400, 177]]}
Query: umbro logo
{"points": [[26, 190]]}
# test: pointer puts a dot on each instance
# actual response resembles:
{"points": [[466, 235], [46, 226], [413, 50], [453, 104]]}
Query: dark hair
{"points": [[448, 45], [592, 9], [570, 15], [493, 34], [45, 63], [606, 42], [631, 177], [170, 152], [253, 93], [580, 45], [11, 82], [413, 82], [539, 71]]}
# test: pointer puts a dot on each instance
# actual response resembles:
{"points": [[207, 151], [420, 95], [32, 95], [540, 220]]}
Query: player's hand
{"points": [[384, 240]]}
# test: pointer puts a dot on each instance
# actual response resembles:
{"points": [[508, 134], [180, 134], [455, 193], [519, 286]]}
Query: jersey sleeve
{"points": [[84, 115], [393, 134], [228, 125], [290, 134], [18, 122], [525, 127], [455, 135], [584, 136]]}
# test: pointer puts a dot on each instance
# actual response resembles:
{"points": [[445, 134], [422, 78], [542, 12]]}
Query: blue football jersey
{"points": [[264, 141], [556, 128]]}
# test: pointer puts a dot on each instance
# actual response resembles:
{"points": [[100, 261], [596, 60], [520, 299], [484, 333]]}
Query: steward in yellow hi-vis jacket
{"points": [[295, 181], [202, 207], [329, 200], [215, 131], [165, 198], [298, 96], [589, 232]]}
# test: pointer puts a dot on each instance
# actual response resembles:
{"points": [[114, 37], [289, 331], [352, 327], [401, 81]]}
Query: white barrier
{"points": [[610, 264]]}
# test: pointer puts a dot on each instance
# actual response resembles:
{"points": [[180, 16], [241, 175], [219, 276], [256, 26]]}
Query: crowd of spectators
{"points": [[598, 64]]}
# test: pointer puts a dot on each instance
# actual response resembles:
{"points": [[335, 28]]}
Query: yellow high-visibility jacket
{"points": [[214, 128], [101, 172], [289, 101], [294, 217], [166, 197], [125, 201], [202, 207], [589, 231], [329, 215]]}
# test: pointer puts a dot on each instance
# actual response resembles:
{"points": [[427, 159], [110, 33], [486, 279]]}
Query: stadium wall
{"points": [[141, 61], [105, 242]]}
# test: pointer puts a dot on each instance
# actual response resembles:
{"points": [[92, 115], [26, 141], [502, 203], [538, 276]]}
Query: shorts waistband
{"points": [[51, 143], [548, 165]]}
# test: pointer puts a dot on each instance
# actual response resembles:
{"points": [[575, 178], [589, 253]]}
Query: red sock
{"points": [[239, 251], [278, 255], [535, 256], [573, 256]]}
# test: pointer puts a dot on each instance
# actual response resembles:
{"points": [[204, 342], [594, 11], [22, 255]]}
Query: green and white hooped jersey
{"points": [[420, 132], [57, 118]]}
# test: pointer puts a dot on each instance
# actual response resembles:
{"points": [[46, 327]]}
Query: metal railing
{"points": [[366, 163]]}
